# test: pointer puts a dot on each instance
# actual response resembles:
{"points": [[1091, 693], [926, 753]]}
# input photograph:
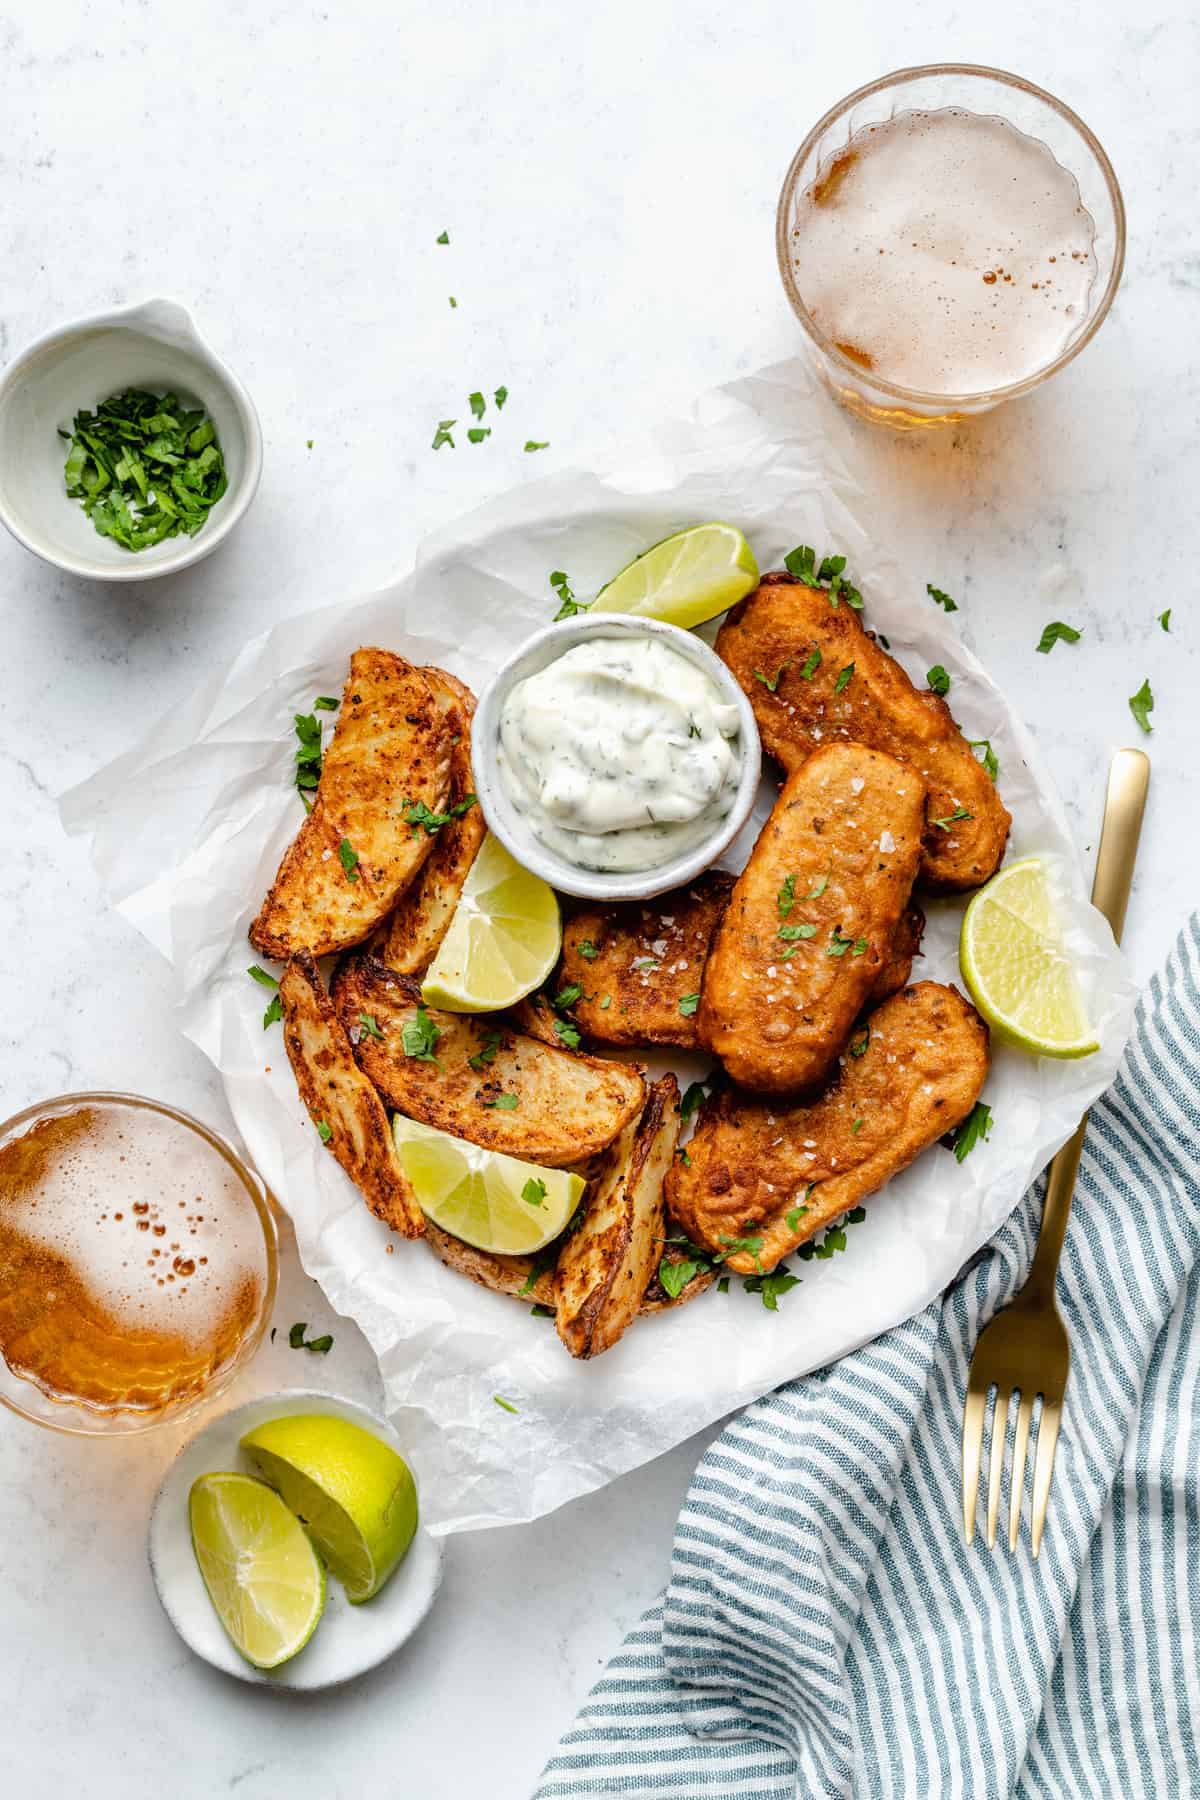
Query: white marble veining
{"points": [[608, 181]]}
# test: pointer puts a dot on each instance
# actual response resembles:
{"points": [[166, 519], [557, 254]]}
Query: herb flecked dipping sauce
{"points": [[620, 755]]}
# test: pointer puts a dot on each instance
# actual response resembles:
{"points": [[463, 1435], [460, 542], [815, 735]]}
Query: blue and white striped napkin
{"points": [[826, 1631]]}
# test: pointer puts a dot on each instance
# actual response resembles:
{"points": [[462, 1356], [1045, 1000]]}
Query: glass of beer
{"points": [[948, 237], [138, 1263]]}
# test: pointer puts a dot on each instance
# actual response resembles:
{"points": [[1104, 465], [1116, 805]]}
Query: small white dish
{"points": [[154, 345], [545, 647], [349, 1639]]}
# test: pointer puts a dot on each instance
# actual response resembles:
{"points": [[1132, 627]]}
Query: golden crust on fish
{"points": [[390, 747], [896, 968], [567, 1107], [409, 938], [341, 1100], [775, 632], [638, 962], [813, 917], [606, 1263], [923, 1062]]}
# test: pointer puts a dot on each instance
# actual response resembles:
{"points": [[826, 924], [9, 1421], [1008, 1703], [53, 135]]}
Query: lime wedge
{"points": [[262, 1574], [492, 1201], [354, 1493], [685, 579], [1017, 967], [502, 941]]}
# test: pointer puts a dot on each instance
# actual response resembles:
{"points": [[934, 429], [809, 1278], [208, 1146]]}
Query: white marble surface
{"points": [[608, 180]]}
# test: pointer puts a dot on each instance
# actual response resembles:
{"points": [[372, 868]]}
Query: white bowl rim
{"points": [[165, 311], [536, 652]]}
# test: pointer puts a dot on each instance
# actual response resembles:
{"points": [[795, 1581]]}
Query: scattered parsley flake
{"points": [[506, 1404], [737, 1246], [771, 1285], [477, 433], [308, 754], [973, 1130], [274, 1012], [856, 1127], [348, 857], [694, 1096], [500, 396], [567, 997], [1053, 632], [859, 1045], [790, 932], [325, 703], [793, 1216], [443, 433], [534, 1191], [605, 1002], [837, 945], [688, 1004], [261, 976], [453, 302], [370, 1025], [786, 896], [321, 1345], [504, 1102], [801, 564], [943, 600], [960, 812], [587, 950], [989, 759], [477, 404], [567, 1033], [324, 1131], [1141, 705], [771, 682], [673, 1277], [419, 1036], [723, 1284], [568, 605], [818, 888], [1164, 619], [938, 679], [812, 665], [843, 680], [531, 445], [443, 237], [487, 1053]]}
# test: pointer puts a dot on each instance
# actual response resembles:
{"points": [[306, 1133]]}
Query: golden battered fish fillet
{"points": [[409, 938], [782, 1173], [567, 1107], [390, 748], [770, 639], [812, 919], [341, 1102], [896, 969]]}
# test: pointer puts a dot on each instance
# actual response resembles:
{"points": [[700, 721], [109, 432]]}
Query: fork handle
{"points": [[1124, 806]]}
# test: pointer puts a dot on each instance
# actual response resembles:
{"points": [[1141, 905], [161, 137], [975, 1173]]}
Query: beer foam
{"points": [[945, 251], [143, 1213]]}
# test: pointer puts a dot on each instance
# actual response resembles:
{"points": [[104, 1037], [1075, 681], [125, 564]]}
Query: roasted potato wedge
{"points": [[607, 1262], [520, 1096], [409, 938], [769, 641], [526, 1278], [390, 748], [341, 1100]]}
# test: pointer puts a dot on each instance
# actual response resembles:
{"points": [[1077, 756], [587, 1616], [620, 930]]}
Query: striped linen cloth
{"points": [[827, 1632]]}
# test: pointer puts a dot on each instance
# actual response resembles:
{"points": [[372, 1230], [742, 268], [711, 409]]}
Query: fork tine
{"points": [[1043, 1468], [996, 1460], [1017, 1476], [974, 1414]]}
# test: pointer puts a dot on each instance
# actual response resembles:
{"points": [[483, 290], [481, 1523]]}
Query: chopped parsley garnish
{"points": [[833, 1240], [477, 404], [771, 1285], [504, 1102], [785, 899], [324, 1131], [325, 703], [818, 888], [688, 1004], [506, 1404], [801, 563], [694, 730], [723, 1285], [297, 1340], [348, 857], [790, 932], [144, 467], [943, 600], [370, 1025], [445, 426], [838, 944], [749, 1246], [683, 1157], [274, 1012], [645, 962], [541, 1312], [568, 605], [858, 1046], [567, 1033], [587, 950], [419, 1036], [973, 1130], [1141, 705], [443, 237], [531, 445], [989, 759], [694, 1096], [1164, 619], [843, 680], [567, 997], [856, 1127], [477, 433], [308, 753], [938, 679], [534, 1191], [261, 976], [960, 812], [673, 1277], [605, 1002], [812, 665], [453, 302], [1052, 633], [486, 1054], [417, 814], [500, 396], [770, 682]]}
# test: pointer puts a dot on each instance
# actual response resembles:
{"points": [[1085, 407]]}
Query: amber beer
{"points": [[137, 1262]]}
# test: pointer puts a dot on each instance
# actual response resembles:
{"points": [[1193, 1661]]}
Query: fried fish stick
{"points": [[782, 1173], [772, 642], [812, 919]]}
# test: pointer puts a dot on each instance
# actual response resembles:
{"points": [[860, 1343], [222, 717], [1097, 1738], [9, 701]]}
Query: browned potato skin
{"points": [[409, 938], [607, 1262], [925, 1062], [643, 1003], [569, 1107], [390, 746], [338, 1095], [775, 628], [502, 1274], [779, 1021]]}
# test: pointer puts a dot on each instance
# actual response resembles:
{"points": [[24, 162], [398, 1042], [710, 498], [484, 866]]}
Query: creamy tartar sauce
{"points": [[620, 755]]}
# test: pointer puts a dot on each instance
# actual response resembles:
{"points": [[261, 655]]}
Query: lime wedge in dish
{"points": [[1017, 967], [685, 579], [354, 1493], [493, 1201], [502, 941], [262, 1574]]}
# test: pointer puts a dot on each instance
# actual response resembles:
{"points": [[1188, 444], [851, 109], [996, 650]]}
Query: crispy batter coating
{"points": [[567, 1107], [782, 1173], [409, 938], [340, 1099], [774, 634], [390, 747], [812, 919]]}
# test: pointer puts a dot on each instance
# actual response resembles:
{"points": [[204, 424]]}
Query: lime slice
{"points": [[503, 939], [354, 1493], [493, 1201], [262, 1574], [685, 579], [1017, 967]]}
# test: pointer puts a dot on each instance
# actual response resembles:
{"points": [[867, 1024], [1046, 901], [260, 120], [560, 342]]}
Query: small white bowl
{"points": [[502, 816], [155, 346]]}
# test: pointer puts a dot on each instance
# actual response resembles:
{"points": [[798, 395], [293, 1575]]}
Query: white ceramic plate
{"points": [[349, 1639]]}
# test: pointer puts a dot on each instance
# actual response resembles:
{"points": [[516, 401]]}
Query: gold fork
{"points": [[1025, 1350]]}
